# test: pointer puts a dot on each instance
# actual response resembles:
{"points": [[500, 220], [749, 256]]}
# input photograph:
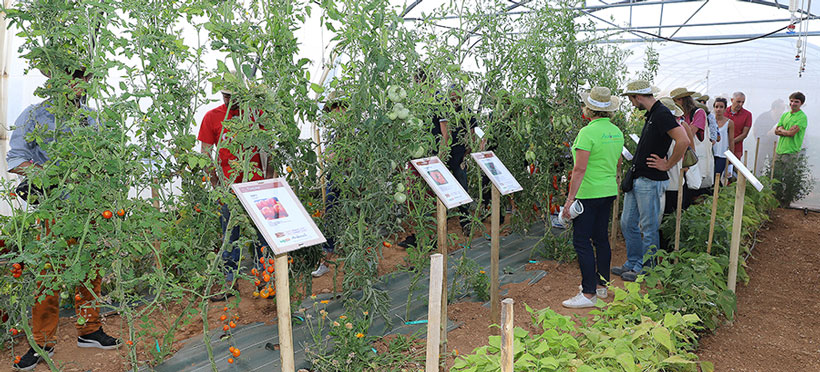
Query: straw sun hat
{"points": [[672, 106], [639, 87], [680, 93], [600, 99]]}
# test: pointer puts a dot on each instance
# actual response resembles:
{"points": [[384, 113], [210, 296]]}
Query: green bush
{"points": [[794, 176]]}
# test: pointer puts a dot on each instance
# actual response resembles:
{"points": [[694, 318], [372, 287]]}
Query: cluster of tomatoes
{"points": [[16, 270], [231, 324], [107, 214], [235, 352]]}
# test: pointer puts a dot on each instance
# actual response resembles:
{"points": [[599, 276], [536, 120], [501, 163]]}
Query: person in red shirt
{"points": [[211, 133], [742, 119]]}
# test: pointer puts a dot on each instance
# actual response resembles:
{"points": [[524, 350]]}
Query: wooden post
{"points": [[507, 336], [441, 211], [714, 214], [678, 211], [737, 222], [283, 313], [774, 158], [434, 312], [495, 221], [757, 151], [613, 232], [745, 157]]}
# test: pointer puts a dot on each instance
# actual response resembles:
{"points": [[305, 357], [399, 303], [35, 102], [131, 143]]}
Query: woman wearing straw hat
{"points": [[597, 152], [700, 181]]}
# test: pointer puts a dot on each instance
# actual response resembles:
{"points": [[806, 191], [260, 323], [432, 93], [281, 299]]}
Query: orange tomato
{"points": [[121, 212], [387, 244], [270, 269], [236, 353], [107, 214], [232, 324], [230, 360], [225, 328], [266, 277], [271, 261], [223, 317], [78, 297]]}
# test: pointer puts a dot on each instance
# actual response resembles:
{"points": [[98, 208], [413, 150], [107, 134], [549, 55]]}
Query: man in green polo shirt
{"points": [[792, 126]]}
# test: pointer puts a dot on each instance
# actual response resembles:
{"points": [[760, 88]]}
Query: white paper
{"points": [[635, 137], [278, 214], [478, 132], [627, 155], [443, 183], [497, 172], [743, 170]]}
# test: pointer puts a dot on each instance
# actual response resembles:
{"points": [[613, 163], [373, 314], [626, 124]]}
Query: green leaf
{"points": [[627, 362], [707, 366], [317, 88], [661, 335], [677, 359]]}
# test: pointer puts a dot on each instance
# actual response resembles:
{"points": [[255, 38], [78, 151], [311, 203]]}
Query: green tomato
{"points": [[400, 197], [392, 115], [400, 187], [64, 295], [81, 321], [403, 114], [418, 152], [529, 155], [392, 165]]}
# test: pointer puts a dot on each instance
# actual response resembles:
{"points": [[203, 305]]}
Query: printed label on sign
{"points": [[495, 170], [443, 183], [278, 214]]}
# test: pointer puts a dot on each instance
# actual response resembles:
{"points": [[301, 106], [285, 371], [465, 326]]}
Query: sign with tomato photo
{"points": [[495, 170], [271, 208], [443, 183], [278, 214]]}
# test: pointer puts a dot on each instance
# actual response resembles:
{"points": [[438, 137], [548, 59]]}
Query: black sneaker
{"points": [[99, 340], [31, 359]]}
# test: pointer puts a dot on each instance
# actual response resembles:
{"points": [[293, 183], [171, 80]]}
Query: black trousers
{"points": [[591, 240]]}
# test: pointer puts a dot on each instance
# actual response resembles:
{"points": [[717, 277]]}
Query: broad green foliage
{"points": [[628, 334]]}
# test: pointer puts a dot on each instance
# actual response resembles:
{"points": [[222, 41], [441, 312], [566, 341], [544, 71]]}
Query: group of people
{"points": [[673, 125]]}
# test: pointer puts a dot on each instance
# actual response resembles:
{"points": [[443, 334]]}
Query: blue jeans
{"points": [[231, 254], [641, 220]]}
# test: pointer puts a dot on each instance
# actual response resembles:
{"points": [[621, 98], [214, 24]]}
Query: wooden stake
{"points": [[714, 214], [434, 312], [495, 304], [283, 313], [613, 232], [507, 336], [678, 212], [757, 151], [774, 158], [745, 157], [441, 211], [736, 229]]}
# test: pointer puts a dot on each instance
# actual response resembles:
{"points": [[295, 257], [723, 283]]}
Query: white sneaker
{"points": [[600, 292], [322, 270], [579, 301]]}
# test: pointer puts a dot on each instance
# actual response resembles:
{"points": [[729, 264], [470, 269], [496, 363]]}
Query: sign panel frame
{"points": [[497, 172], [296, 229], [443, 183]]}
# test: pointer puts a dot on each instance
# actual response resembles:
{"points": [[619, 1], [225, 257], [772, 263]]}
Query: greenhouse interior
{"points": [[416, 185]]}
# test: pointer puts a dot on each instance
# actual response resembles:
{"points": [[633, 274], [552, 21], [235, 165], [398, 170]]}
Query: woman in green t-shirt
{"points": [[597, 154]]}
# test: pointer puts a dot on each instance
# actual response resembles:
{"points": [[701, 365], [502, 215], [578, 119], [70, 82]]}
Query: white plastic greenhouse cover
{"points": [[765, 69]]}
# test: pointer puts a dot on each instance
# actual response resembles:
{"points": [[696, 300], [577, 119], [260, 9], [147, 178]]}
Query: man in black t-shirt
{"points": [[642, 205], [453, 132]]}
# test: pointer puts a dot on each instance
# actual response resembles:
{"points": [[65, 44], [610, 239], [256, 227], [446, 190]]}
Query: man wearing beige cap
{"points": [[642, 196]]}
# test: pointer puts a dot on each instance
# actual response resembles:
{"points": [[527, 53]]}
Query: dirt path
{"points": [[776, 327]]}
